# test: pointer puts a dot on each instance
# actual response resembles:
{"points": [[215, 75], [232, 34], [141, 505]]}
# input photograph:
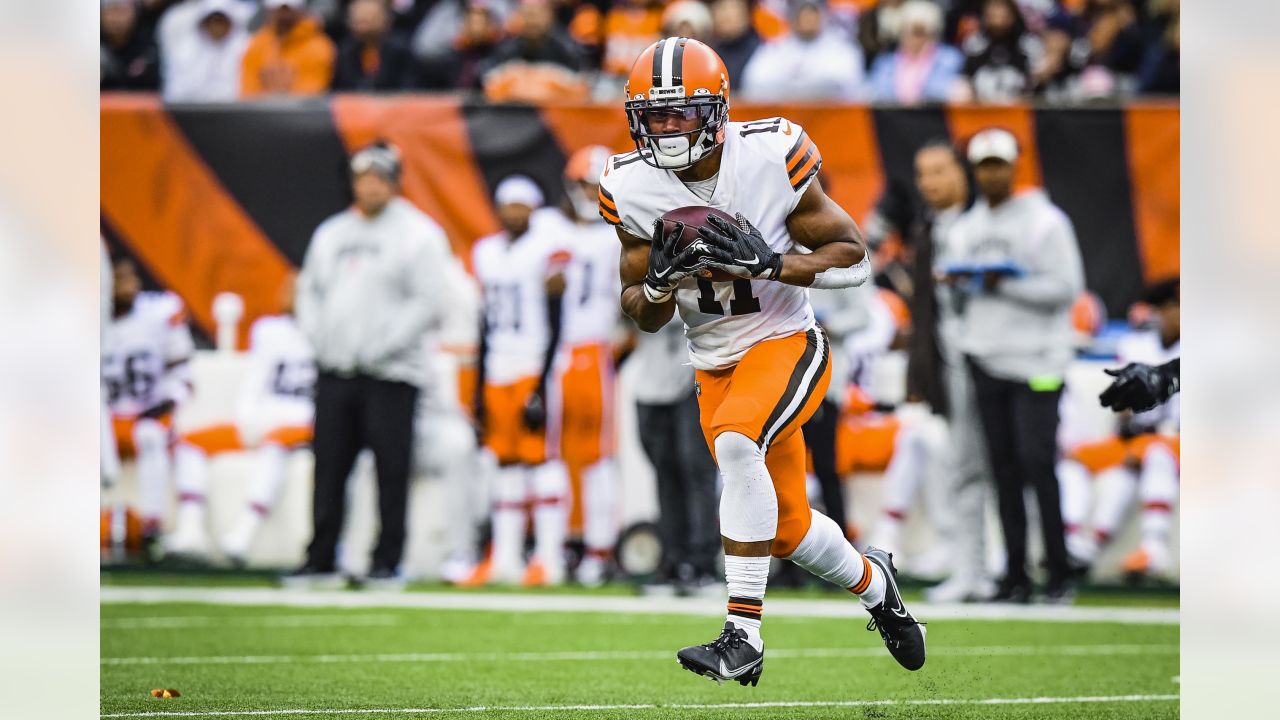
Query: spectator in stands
{"points": [[812, 61], [372, 56], [879, 28], [1160, 69], [540, 62], [998, 57], [733, 36], [687, 18], [435, 39], [630, 26], [921, 69], [289, 55], [203, 56], [366, 297], [127, 55], [478, 35], [1020, 270], [1115, 47]]}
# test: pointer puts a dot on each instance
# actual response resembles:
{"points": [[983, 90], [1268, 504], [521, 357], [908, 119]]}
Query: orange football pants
{"points": [[1114, 451], [586, 419], [505, 433], [122, 428], [767, 396], [225, 437]]}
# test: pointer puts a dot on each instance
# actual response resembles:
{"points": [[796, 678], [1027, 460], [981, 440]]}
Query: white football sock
{"points": [[1116, 488], [1159, 491], [600, 505], [550, 517], [825, 552], [510, 495], [747, 578], [151, 440], [1073, 484]]}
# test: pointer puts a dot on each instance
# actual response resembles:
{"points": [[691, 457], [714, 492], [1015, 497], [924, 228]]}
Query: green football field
{"points": [[290, 659]]}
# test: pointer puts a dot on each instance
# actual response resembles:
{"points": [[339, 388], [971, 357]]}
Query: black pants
{"points": [[1021, 428], [353, 413], [820, 437], [688, 511]]}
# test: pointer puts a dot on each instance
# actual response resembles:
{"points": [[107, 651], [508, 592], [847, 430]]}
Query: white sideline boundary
{"points": [[673, 706], [604, 655], [527, 602]]}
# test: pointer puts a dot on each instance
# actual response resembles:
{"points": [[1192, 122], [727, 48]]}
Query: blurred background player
{"points": [[446, 436], [145, 366], [684, 471], [521, 270], [274, 415], [586, 377], [938, 376], [1021, 273], [368, 293], [1139, 461]]}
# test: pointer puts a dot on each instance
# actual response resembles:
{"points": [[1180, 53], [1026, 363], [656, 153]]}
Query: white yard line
{"points": [[674, 706], [597, 655], [257, 621], [843, 608]]}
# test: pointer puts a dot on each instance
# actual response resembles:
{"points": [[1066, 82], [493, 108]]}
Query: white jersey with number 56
{"points": [[765, 168]]}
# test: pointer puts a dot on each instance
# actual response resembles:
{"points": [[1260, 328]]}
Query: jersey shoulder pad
{"points": [[264, 329], [780, 140], [483, 248], [617, 174]]}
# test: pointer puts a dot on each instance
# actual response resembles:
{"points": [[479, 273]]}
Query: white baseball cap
{"points": [[518, 190], [993, 144], [284, 3]]}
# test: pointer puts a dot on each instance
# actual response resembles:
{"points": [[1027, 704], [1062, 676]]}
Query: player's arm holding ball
{"points": [[837, 259], [650, 271]]}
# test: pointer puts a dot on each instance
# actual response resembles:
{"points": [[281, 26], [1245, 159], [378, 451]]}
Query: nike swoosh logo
{"points": [[724, 671], [754, 259], [663, 273], [788, 130]]}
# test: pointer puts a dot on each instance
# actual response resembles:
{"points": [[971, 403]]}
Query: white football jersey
{"points": [[512, 276], [280, 385], [142, 351], [765, 168], [592, 285], [1145, 347]]}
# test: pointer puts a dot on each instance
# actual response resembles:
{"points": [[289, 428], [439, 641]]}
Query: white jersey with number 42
{"points": [[765, 168]]}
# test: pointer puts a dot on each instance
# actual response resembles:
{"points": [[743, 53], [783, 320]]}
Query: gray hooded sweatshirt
{"points": [[1021, 330]]}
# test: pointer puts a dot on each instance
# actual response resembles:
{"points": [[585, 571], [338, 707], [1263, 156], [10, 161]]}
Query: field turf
{"points": [[274, 661]]}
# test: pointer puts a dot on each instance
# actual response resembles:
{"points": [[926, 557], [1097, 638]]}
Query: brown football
{"points": [[693, 217]]}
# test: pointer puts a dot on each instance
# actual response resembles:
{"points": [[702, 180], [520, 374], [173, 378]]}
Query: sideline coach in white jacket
{"points": [[368, 292], [1016, 335]]}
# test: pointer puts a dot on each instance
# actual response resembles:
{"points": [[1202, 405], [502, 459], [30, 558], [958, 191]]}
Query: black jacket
{"points": [[395, 66]]}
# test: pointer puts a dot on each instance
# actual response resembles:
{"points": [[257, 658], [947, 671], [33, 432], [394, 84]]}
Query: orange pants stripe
{"points": [[767, 396], [225, 437], [122, 428]]}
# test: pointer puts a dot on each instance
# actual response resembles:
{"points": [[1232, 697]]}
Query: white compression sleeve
{"points": [[844, 277]]}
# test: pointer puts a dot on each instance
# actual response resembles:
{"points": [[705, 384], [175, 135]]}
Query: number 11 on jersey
{"points": [[742, 302]]}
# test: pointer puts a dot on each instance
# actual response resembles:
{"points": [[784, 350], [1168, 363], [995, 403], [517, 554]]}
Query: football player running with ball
{"points": [[761, 361]]}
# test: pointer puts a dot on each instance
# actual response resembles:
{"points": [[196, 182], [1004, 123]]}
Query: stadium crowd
{"points": [[896, 51]]}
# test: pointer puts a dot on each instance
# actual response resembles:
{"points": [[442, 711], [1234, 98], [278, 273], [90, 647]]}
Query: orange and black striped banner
{"points": [[226, 198]]}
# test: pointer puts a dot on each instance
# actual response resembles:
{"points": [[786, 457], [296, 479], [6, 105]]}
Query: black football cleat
{"points": [[728, 657], [902, 633]]}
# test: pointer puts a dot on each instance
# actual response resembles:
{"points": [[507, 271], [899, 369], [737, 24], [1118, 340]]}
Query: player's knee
{"points": [[735, 451]]}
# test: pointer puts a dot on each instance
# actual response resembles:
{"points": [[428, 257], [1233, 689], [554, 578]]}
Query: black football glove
{"points": [[1138, 387], [739, 249], [535, 410], [667, 267]]}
